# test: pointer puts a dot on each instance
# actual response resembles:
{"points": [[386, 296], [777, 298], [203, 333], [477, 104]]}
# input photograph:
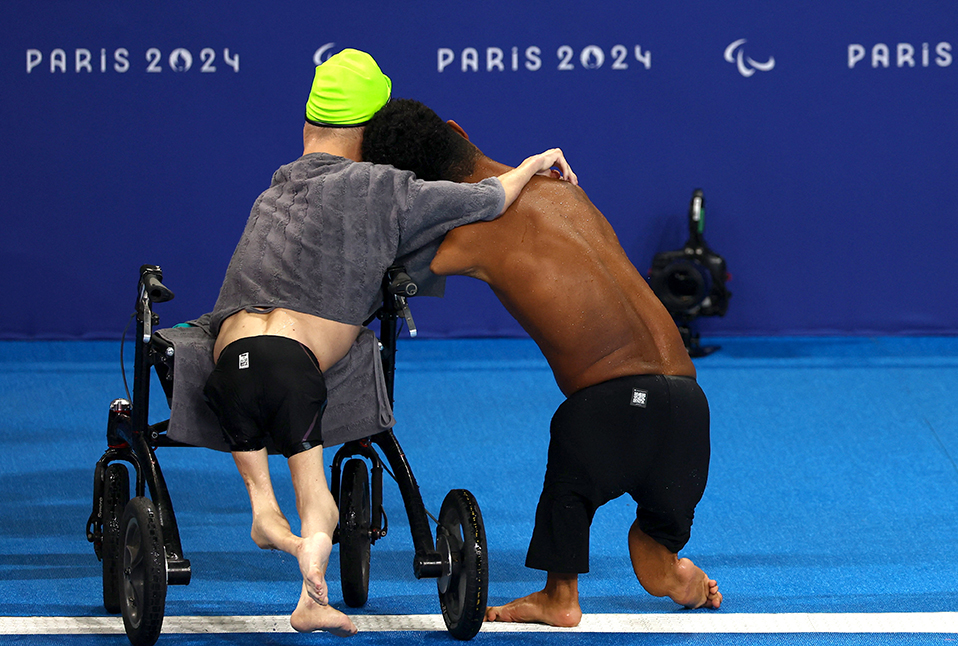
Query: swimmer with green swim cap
{"points": [[305, 275], [347, 90]]}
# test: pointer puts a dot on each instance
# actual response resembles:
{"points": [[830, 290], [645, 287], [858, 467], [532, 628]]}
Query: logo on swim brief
{"points": [[244, 360], [639, 397]]}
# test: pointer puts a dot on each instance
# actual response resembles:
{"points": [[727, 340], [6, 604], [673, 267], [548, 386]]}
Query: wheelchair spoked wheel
{"points": [[355, 518], [116, 495], [144, 573], [464, 583]]}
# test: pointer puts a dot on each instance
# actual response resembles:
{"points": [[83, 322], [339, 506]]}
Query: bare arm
{"points": [[514, 180]]}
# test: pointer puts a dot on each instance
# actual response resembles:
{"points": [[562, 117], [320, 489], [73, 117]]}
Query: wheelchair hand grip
{"points": [[400, 284], [151, 277]]}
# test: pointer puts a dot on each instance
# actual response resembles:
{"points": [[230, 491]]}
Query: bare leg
{"points": [[319, 517], [271, 530], [556, 605], [663, 574]]}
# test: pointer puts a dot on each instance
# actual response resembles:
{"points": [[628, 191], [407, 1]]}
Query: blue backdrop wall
{"points": [[823, 134]]}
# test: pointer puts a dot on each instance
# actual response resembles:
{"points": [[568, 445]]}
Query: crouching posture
{"points": [[635, 420]]}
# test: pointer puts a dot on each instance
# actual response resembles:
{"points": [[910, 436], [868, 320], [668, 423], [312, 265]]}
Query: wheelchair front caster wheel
{"points": [[116, 495], [144, 573], [355, 519], [464, 583]]}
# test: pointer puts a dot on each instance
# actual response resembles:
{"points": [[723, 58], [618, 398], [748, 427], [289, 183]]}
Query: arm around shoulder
{"points": [[513, 181]]}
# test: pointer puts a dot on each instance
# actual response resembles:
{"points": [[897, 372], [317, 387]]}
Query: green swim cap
{"points": [[348, 89]]}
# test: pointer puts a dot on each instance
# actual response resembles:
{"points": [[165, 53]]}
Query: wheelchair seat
{"points": [[183, 359]]}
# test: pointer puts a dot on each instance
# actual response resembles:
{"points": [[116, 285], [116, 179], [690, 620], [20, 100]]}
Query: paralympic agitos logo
{"points": [[735, 53]]}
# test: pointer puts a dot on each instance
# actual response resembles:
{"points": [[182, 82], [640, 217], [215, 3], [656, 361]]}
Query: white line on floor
{"points": [[704, 622]]}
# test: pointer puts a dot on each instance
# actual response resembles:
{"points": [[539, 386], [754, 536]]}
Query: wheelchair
{"points": [[137, 539]]}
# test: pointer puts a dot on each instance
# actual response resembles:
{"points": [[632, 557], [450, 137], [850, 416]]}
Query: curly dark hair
{"points": [[410, 136]]}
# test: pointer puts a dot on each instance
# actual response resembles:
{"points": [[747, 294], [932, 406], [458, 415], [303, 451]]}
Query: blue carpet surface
{"points": [[833, 487]]}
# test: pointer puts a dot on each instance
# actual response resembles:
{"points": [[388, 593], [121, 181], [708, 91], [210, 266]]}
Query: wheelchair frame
{"points": [[138, 540]]}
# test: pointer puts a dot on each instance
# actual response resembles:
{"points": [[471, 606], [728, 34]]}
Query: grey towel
{"points": [[320, 239]]}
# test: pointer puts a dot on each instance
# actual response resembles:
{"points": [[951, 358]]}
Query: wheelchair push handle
{"points": [[400, 284], [151, 281], [152, 290]]}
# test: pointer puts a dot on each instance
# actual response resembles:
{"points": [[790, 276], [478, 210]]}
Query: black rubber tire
{"points": [[144, 573], [460, 527], [355, 519], [116, 495]]}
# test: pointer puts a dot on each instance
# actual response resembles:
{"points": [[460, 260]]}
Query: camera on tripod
{"points": [[690, 282]]}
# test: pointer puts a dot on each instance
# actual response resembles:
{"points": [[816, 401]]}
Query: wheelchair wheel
{"points": [[464, 583], [354, 540], [116, 494], [144, 573]]}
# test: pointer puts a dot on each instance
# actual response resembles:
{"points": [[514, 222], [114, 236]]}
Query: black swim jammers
{"points": [[647, 436], [268, 387]]}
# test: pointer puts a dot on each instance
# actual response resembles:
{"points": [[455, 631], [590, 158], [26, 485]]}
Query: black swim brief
{"points": [[647, 436], [268, 386]]}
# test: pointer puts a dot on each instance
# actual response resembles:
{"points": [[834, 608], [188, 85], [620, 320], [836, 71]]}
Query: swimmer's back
{"points": [[328, 340], [556, 264]]}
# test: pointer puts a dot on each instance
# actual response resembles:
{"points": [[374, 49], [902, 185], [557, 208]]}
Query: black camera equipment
{"points": [[690, 282]]}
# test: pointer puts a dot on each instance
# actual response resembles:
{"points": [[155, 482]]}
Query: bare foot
{"points": [[662, 573], [310, 616], [538, 607], [313, 556], [694, 589], [270, 530]]}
